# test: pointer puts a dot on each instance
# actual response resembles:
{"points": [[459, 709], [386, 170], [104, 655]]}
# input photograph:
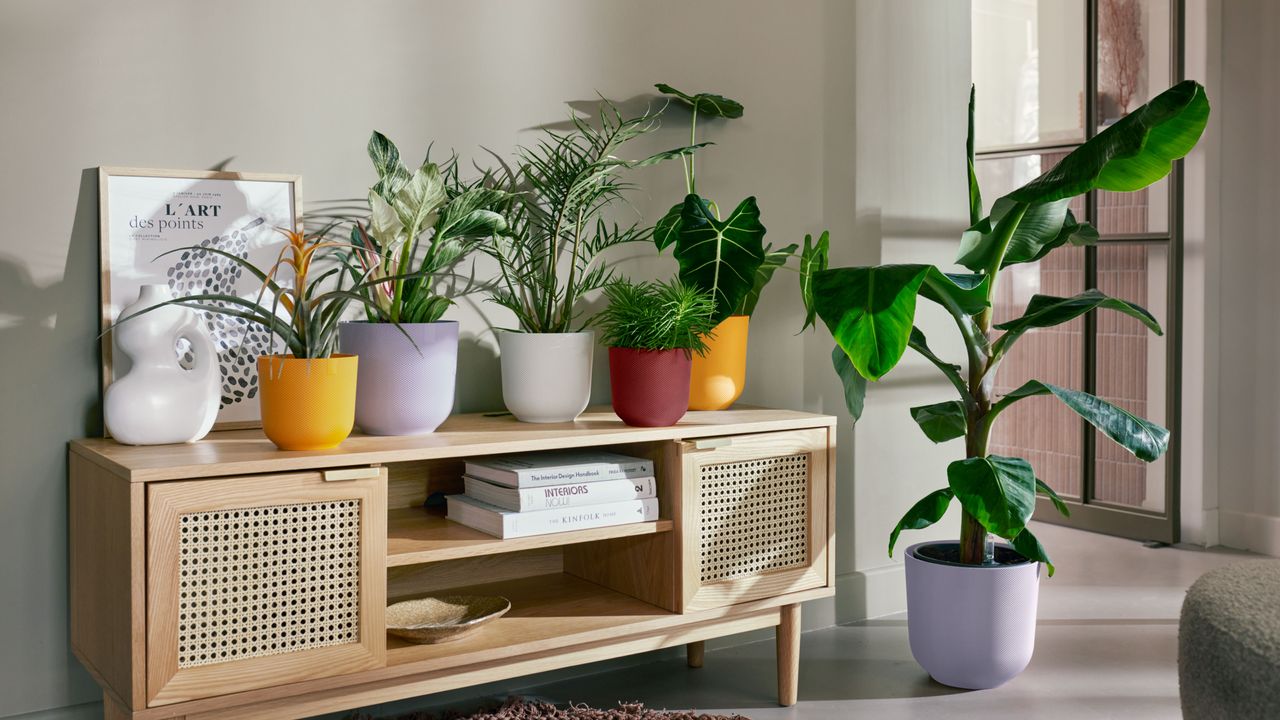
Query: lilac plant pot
{"points": [[403, 389], [971, 626]]}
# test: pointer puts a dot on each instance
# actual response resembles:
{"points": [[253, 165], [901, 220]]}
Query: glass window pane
{"points": [[1131, 369], [998, 177], [1028, 63], [1041, 429], [1134, 61], [1129, 213]]}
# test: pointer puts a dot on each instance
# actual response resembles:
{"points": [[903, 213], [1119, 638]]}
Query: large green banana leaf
{"points": [[871, 310], [1136, 151], [1145, 439], [1047, 311], [928, 511], [999, 492]]}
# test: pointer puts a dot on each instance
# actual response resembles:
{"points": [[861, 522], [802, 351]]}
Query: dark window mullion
{"points": [[1088, 459]]}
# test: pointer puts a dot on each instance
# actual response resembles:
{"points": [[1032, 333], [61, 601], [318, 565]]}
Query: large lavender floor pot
{"points": [[403, 389], [971, 626]]}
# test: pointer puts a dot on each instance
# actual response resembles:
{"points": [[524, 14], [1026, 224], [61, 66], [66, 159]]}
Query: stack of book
{"points": [[510, 496]]}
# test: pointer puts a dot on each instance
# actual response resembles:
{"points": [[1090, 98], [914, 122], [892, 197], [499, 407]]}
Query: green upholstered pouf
{"points": [[1229, 643]]}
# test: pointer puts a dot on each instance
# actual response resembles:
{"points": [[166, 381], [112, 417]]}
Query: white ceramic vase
{"points": [[971, 626], [546, 377], [157, 401]]}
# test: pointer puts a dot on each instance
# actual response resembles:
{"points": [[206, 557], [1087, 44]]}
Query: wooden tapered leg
{"points": [[694, 652], [111, 710], [788, 636]]}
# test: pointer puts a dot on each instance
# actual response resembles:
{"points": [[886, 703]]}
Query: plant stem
{"points": [[693, 135], [978, 420]]}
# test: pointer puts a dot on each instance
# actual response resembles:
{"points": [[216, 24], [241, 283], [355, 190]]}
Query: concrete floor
{"points": [[1106, 647]]}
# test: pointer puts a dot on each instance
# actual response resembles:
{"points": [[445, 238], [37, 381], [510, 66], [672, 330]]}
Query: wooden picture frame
{"points": [[243, 208]]}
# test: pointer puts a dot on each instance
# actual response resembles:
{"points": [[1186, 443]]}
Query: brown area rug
{"points": [[522, 709]]}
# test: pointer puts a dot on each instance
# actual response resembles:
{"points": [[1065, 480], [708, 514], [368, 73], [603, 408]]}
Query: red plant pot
{"points": [[650, 387]]}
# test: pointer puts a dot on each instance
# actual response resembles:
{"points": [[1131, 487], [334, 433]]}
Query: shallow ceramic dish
{"points": [[443, 618]]}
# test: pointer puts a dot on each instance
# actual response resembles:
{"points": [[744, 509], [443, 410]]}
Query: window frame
{"points": [[1088, 513]]}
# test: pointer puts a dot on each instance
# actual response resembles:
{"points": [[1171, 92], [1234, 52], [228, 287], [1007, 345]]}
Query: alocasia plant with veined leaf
{"points": [[726, 257], [871, 313]]}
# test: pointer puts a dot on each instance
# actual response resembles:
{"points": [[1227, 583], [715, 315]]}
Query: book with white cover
{"points": [[557, 496], [557, 467], [510, 524]]}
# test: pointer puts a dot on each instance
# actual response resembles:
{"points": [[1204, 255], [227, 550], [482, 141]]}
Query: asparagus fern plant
{"points": [[657, 316], [871, 310]]}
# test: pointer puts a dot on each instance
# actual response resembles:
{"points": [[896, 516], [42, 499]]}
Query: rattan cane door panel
{"points": [[756, 515], [263, 580]]}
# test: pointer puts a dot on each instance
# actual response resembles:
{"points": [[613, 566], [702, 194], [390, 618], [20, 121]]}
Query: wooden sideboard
{"points": [[228, 579]]}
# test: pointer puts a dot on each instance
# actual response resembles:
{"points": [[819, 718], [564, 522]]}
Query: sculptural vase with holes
{"points": [[158, 401]]}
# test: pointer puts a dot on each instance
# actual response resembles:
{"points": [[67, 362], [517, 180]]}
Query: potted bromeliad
{"points": [[971, 604], [549, 257], [726, 257], [653, 330], [308, 395], [420, 225]]}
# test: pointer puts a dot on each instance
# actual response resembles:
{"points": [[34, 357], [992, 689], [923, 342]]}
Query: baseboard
{"points": [[872, 593], [1200, 528], [1249, 531], [1212, 528]]}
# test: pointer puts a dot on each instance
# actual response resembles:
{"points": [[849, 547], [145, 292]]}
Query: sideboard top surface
{"points": [[238, 452]]}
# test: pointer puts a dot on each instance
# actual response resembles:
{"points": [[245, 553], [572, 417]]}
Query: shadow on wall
{"points": [[50, 391], [589, 110]]}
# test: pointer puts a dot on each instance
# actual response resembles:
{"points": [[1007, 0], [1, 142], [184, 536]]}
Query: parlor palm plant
{"points": [[550, 258], [871, 312]]}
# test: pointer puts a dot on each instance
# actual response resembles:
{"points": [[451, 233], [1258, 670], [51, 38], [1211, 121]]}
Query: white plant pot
{"points": [[971, 626], [546, 377]]}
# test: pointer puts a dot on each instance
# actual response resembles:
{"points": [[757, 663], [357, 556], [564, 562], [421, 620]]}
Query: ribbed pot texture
{"points": [[307, 404], [546, 377], [971, 626], [650, 387], [407, 374]]}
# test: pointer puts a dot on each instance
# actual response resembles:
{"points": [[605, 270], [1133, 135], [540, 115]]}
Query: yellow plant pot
{"points": [[720, 375], [307, 404]]}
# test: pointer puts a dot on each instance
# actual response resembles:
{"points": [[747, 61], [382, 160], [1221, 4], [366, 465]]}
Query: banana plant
{"points": [[871, 313]]}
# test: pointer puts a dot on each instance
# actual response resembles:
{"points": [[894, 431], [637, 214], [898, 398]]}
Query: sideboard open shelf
{"points": [[227, 579]]}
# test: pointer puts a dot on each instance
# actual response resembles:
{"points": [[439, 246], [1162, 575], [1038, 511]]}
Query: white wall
{"points": [[293, 86], [1201, 280], [1247, 187], [910, 205]]}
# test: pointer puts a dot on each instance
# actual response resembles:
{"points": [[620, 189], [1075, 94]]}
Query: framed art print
{"points": [[152, 224]]}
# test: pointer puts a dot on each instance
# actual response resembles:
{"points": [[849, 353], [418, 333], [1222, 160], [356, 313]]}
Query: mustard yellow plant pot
{"points": [[720, 375], [307, 404]]}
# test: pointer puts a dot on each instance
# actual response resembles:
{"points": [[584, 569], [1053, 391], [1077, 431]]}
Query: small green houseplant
{"points": [[726, 257], [653, 329], [550, 257], [421, 224], [870, 312]]}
